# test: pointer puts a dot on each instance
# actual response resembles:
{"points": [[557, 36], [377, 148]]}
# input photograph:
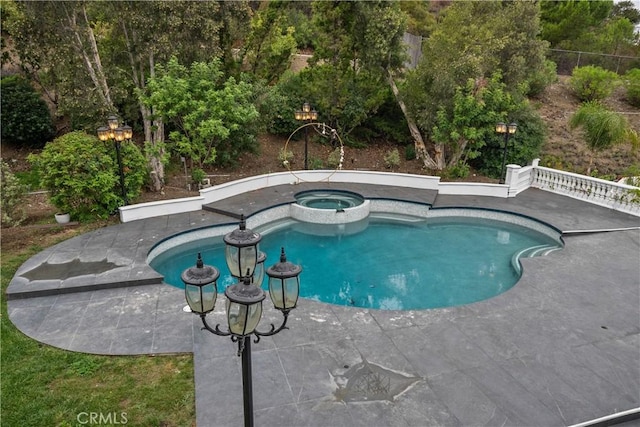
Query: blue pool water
{"points": [[329, 199], [382, 263]]}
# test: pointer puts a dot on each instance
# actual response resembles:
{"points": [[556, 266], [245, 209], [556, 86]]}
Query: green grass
{"points": [[45, 386]]}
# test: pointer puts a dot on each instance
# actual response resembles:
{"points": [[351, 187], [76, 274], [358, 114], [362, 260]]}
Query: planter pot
{"points": [[63, 218]]}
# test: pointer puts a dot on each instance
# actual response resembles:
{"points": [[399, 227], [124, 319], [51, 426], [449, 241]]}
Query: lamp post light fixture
{"points": [[117, 134], [244, 298], [306, 115], [507, 130]]}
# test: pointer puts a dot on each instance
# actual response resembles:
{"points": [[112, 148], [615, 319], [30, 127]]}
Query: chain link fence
{"points": [[567, 60]]}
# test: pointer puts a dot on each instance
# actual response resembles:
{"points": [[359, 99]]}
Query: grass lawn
{"points": [[45, 386]]}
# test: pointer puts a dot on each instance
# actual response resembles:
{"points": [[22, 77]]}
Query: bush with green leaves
{"points": [[82, 176], [335, 158], [213, 117], [25, 118], [632, 84], [601, 128], [468, 133], [410, 152], [524, 145], [392, 159], [591, 83], [11, 196]]}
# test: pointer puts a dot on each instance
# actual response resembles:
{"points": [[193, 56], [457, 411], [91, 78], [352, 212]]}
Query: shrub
{"points": [[592, 83], [81, 174], [285, 157], [524, 145], [541, 79], [410, 152], [12, 193], [392, 159], [198, 175], [632, 83], [459, 170], [335, 158], [25, 118]]}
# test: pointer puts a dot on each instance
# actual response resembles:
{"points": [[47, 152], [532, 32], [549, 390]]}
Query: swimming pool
{"points": [[386, 263]]}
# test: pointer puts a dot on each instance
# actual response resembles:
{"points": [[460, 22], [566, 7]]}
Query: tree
{"points": [[148, 32], [25, 118], [467, 133], [626, 9], [473, 41], [215, 117], [56, 47], [563, 22], [271, 43], [601, 128], [91, 57], [356, 43]]}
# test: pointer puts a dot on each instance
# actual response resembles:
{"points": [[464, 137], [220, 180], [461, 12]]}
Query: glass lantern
{"points": [[284, 283], [200, 287], [242, 249]]}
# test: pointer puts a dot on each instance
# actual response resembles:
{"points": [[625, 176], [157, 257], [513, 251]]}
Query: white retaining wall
{"points": [[625, 198]]}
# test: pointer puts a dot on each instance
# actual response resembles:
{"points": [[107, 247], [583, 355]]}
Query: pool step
{"points": [[534, 251]]}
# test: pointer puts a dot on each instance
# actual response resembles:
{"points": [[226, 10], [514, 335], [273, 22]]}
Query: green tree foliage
{"points": [[420, 20], [271, 43], [626, 9], [282, 100], [82, 176], [469, 133], [56, 45], [299, 16], [591, 83], [632, 84], [214, 117], [25, 118], [592, 26], [601, 128], [524, 145], [564, 22], [11, 197], [473, 41], [356, 42]]}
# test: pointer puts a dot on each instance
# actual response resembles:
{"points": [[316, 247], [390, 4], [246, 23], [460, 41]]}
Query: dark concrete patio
{"points": [[559, 348]]}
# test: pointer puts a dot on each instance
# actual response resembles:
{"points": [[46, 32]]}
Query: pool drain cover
{"points": [[367, 381]]}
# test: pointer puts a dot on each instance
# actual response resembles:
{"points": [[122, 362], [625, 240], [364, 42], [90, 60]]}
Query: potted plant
{"points": [[63, 218]]}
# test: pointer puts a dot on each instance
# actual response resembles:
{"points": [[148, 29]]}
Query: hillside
{"points": [[564, 149]]}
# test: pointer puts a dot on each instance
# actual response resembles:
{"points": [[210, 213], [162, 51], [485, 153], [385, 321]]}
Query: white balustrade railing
{"points": [[621, 197]]}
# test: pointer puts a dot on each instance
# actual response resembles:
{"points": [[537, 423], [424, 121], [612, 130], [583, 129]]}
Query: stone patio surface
{"points": [[559, 348]]}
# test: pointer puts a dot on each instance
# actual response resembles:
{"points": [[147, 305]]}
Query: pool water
{"points": [[385, 264], [329, 199]]}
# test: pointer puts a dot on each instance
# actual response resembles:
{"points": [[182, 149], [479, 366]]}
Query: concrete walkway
{"points": [[559, 348]]}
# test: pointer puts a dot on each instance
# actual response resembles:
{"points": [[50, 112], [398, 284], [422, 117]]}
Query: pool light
{"points": [[244, 299]]}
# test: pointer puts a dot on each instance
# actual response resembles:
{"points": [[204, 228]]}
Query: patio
{"points": [[560, 348]]}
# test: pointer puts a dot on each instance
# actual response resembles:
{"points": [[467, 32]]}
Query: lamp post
{"points": [[507, 130], [244, 299], [118, 134], [306, 115]]}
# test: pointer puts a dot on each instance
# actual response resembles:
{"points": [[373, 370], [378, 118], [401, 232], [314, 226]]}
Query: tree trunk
{"points": [[455, 157], [439, 156], [94, 68], [421, 149], [153, 129]]}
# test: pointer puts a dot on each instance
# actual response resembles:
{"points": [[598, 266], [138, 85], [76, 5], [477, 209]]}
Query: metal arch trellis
{"points": [[315, 126]]}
